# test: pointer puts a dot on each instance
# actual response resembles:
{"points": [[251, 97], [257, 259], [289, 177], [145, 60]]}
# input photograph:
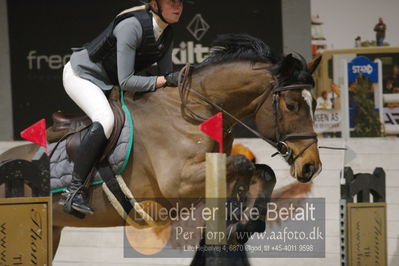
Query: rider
{"points": [[136, 38]]}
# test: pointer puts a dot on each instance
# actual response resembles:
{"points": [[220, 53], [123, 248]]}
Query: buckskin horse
{"points": [[240, 78]]}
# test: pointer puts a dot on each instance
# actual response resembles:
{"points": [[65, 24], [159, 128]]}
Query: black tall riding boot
{"points": [[91, 147]]}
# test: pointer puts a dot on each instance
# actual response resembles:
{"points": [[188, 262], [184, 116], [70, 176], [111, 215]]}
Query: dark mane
{"points": [[242, 47], [237, 47]]}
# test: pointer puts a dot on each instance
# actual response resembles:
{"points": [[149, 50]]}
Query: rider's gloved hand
{"points": [[160, 83], [172, 79]]}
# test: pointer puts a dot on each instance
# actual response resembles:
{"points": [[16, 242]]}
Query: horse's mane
{"points": [[225, 48], [243, 47], [237, 47]]}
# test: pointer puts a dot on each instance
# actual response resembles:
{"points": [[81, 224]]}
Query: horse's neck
{"points": [[236, 87]]}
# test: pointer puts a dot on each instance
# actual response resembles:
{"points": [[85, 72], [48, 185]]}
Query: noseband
{"points": [[280, 141]]}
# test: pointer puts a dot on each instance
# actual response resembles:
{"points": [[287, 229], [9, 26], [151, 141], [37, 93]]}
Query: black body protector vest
{"points": [[103, 48]]}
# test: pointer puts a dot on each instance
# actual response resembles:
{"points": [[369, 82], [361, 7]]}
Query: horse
{"points": [[241, 78]]}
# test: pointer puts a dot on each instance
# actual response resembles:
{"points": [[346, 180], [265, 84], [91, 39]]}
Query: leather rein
{"points": [[280, 141]]}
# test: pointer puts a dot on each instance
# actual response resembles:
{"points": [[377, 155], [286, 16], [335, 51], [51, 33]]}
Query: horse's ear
{"points": [[314, 64], [288, 65]]}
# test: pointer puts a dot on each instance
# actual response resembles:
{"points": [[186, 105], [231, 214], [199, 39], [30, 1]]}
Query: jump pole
{"points": [[215, 193], [215, 202]]}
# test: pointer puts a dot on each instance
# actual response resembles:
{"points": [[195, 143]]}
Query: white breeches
{"points": [[90, 98]]}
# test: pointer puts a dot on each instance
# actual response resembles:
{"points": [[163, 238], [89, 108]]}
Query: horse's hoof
{"points": [[243, 166], [266, 172]]}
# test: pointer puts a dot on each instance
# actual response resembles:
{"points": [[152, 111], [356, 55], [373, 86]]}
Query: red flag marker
{"points": [[36, 133], [213, 127]]}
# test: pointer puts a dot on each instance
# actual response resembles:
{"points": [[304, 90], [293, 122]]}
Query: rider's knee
{"points": [[107, 121]]}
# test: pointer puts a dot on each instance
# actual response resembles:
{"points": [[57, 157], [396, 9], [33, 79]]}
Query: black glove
{"points": [[172, 79]]}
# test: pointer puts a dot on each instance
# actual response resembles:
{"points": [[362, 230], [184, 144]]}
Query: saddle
{"points": [[74, 127]]}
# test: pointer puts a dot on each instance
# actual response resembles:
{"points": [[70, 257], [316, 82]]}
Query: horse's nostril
{"points": [[308, 171]]}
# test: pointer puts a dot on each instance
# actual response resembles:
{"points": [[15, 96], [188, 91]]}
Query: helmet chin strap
{"points": [[159, 12]]}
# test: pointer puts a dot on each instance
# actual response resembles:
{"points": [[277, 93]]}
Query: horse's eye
{"points": [[291, 106]]}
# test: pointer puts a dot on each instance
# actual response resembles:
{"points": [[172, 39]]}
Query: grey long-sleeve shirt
{"points": [[128, 34]]}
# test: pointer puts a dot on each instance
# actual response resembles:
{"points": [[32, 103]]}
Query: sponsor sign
{"points": [[327, 120], [391, 121], [25, 231], [363, 66], [367, 230], [198, 27], [391, 116]]}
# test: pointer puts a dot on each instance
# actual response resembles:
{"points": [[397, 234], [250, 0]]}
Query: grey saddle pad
{"points": [[61, 167]]}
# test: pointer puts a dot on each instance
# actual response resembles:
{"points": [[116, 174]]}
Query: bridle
{"points": [[280, 141], [283, 149]]}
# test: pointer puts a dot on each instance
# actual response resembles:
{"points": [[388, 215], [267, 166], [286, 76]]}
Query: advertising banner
{"points": [[363, 95], [361, 65], [327, 120], [367, 248], [42, 32], [391, 120], [25, 231]]}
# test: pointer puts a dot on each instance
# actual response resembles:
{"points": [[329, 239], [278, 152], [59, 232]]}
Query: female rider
{"points": [[136, 39]]}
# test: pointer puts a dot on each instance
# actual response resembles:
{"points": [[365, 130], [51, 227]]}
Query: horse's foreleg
{"points": [[56, 238], [238, 166], [260, 192], [252, 186], [239, 171]]}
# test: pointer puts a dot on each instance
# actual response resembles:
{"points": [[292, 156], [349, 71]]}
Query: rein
{"points": [[283, 149]]}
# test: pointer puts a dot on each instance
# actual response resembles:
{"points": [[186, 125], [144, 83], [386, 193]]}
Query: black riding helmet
{"points": [[159, 12]]}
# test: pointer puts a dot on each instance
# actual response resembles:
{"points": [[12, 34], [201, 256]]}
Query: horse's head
{"points": [[286, 117], [237, 79]]}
